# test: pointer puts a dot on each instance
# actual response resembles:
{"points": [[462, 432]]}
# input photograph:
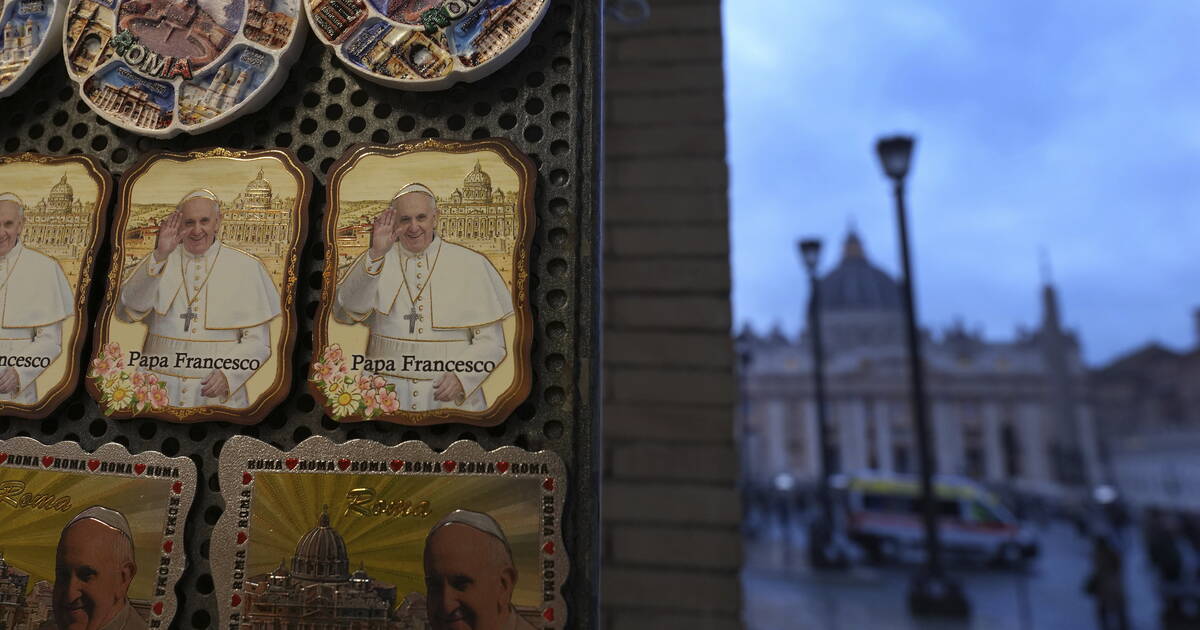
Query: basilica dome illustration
{"points": [[319, 592], [321, 555]]}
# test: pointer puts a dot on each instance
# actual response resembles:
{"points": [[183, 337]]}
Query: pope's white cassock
{"points": [[452, 309], [233, 302], [36, 300]]}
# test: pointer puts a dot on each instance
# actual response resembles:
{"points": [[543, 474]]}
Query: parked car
{"points": [[884, 518]]}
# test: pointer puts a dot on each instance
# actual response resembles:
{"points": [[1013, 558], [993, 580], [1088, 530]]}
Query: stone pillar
{"points": [[1089, 446], [943, 423], [1035, 456], [853, 435], [883, 435], [812, 440], [993, 452], [775, 436]]}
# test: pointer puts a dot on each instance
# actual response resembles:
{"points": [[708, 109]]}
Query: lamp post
{"points": [[822, 553], [931, 592]]}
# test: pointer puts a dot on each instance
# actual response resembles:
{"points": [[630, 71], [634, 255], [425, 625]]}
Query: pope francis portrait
{"points": [[35, 300], [207, 308], [435, 309]]}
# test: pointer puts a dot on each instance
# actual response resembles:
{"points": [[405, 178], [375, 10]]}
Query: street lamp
{"points": [[822, 553], [931, 592]]}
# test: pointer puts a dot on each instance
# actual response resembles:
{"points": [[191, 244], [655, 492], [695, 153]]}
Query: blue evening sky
{"points": [[1068, 126]]}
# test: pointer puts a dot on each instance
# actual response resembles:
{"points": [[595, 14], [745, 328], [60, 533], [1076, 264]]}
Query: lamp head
{"points": [[810, 252], [895, 154]]}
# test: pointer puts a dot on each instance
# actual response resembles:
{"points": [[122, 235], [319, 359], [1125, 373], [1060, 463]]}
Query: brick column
{"points": [[671, 509]]}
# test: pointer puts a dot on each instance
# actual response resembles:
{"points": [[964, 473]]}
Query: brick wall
{"points": [[671, 545]]}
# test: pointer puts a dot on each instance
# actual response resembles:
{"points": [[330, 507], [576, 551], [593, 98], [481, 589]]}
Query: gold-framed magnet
{"points": [[199, 317], [425, 312], [387, 534], [53, 214]]}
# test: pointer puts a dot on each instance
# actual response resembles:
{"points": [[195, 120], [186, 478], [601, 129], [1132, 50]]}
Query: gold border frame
{"points": [[187, 484], [279, 389], [66, 386], [518, 391], [237, 480]]}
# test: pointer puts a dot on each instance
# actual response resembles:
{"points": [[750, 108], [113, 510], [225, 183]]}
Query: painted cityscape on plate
{"points": [[29, 32], [425, 44], [159, 67]]}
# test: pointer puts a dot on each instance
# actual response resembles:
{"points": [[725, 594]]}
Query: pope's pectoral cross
{"points": [[188, 317], [412, 318]]}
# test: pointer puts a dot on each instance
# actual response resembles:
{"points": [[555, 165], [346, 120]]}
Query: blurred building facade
{"points": [[1012, 413], [1147, 406]]}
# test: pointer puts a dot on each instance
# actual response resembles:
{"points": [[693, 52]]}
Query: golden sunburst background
{"points": [[29, 537], [391, 549]]}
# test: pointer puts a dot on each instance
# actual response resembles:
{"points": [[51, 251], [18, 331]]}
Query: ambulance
{"points": [[883, 515]]}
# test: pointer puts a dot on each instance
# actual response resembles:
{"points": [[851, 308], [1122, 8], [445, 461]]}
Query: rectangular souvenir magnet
{"points": [[425, 314], [52, 218], [371, 536], [90, 540], [199, 320]]}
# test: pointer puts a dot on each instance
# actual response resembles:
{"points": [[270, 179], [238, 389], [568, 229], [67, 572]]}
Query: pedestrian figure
{"points": [[1107, 584]]}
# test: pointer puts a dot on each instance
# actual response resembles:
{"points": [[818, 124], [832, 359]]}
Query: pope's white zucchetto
{"points": [[107, 516], [477, 521], [13, 197], [414, 188], [201, 193]]}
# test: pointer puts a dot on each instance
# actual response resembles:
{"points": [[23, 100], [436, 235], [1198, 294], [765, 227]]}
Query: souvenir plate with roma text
{"points": [[199, 321], [424, 315], [59, 207], [376, 530], [425, 44], [29, 36], [161, 67], [116, 516]]}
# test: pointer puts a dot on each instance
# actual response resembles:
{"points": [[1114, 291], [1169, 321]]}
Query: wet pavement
{"points": [[782, 592]]}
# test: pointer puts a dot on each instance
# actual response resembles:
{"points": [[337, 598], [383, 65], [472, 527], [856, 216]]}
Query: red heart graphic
{"points": [[549, 548], [236, 600], [449, 466], [241, 538], [177, 487], [502, 467], [158, 608], [247, 478], [343, 464], [548, 614], [139, 468], [46, 461], [3, 457], [548, 484], [291, 462], [397, 464], [168, 546], [93, 464]]}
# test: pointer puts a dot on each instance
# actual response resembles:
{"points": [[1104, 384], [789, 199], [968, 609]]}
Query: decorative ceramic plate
{"points": [[425, 44], [28, 29], [159, 67]]}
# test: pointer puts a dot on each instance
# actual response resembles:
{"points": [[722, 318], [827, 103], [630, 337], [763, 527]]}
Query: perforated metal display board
{"points": [[547, 102]]}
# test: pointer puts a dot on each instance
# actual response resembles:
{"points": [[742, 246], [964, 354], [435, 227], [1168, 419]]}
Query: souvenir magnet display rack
{"points": [[547, 102]]}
